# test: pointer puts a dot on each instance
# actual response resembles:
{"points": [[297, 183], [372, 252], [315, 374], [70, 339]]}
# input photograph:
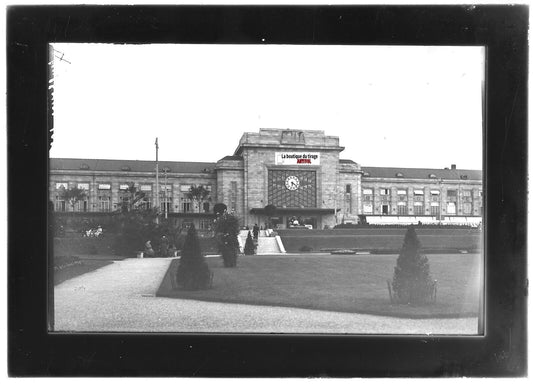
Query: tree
{"points": [[270, 210], [220, 208], [73, 195], [132, 196], [227, 230], [193, 272], [412, 282], [198, 193], [249, 247]]}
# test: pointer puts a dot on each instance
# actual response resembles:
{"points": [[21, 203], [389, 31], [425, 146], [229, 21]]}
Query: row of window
{"points": [[420, 192], [125, 186], [104, 205], [418, 209]]}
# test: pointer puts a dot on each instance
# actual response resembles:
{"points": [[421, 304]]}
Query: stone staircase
{"points": [[267, 245]]}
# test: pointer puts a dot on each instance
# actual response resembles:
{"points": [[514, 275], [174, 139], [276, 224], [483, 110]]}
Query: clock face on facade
{"points": [[292, 188], [292, 183]]}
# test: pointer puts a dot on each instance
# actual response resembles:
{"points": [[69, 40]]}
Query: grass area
{"points": [[381, 239], [343, 283], [69, 267]]}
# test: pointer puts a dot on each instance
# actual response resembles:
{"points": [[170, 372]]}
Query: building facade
{"points": [[299, 172]]}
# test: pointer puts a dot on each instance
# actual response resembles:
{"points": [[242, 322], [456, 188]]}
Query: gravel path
{"points": [[121, 298]]}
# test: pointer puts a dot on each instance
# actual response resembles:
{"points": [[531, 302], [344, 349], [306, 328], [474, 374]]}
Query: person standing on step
{"points": [[256, 231]]}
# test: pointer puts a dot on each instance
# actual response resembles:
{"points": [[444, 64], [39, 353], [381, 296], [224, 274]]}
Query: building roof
{"points": [[232, 157], [422, 173], [128, 165]]}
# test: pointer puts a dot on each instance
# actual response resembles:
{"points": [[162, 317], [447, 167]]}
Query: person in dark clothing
{"points": [[163, 248], [256, 231]]}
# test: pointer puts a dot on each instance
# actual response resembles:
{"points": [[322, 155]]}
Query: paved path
{"points": [[121, 298]]}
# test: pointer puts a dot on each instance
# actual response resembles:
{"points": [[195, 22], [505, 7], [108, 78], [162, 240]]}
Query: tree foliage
{"points": [[412, 283], [270, 210], [198, 194], [131, 198], [137, 226], [249, 247], [227, 231], [220, 208], [193, 272], [73, 195]]}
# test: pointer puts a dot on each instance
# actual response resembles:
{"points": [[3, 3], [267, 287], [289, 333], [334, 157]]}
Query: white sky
{"points": [[390, 106]]}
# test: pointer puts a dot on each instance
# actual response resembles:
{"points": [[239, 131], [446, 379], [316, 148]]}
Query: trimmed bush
{"points": [[227, 229], [249, 247], [193, 272], [412, 282]]}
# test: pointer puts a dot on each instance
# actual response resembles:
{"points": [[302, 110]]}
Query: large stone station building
{"points": [[299, 172]]}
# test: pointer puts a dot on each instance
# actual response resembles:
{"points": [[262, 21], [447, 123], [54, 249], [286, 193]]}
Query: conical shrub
{"points": [[193, 272], [249, 246], [412, 283]]}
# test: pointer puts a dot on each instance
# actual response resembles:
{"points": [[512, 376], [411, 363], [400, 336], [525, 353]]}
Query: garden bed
{"points": [[342, 283]]}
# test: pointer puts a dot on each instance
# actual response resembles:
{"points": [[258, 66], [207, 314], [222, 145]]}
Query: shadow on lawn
{"points": [[339, 284]]}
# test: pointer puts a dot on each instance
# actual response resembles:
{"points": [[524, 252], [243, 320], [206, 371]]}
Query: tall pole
{"points": [[166, 200], [157, 180]]}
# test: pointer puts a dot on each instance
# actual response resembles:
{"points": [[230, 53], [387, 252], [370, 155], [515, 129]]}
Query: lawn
{"points": [[343, 283]]}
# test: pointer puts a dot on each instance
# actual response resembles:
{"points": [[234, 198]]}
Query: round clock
{"points": [[292, 183]]}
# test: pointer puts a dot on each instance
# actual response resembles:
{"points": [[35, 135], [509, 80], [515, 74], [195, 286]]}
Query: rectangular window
{"points": [[467, 208], [467, 193], [206, 207], [434, 193], [61, 185], [205, 225], [185, 188], [435, 209], [186, 205], [384, 191], [233, 196], [419, 208], [82, 206], [348, 188], [451, 208], [123, 187], [451, 193], [384, 209], [84, 186], [368, 192], [401, 192], [146, 203], [419, 192], [60, 205], [166, 204], [367, 208], [103, 202], [104, 187], [146, 187], [402, 208], [168, 187]]}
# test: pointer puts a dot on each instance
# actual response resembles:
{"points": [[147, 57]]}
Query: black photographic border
{"points": [[502, 352]]}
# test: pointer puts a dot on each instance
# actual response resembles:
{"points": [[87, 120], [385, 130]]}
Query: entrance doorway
{"points": [[302, 221]]}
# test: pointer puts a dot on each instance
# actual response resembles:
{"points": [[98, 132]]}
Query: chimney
{"points": [[454, 166]]}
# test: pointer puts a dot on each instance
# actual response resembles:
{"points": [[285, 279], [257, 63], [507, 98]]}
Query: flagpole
{"points": [[157, 180]]}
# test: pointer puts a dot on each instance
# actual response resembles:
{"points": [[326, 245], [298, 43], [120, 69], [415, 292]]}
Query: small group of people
{"points": [[94, 232], [165, 250]]}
